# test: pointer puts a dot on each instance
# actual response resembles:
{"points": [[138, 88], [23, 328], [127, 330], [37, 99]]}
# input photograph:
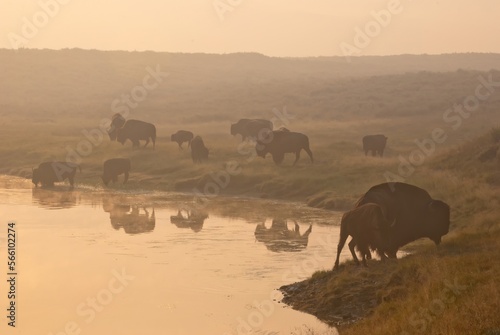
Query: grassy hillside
{"points": [[454, 289]]}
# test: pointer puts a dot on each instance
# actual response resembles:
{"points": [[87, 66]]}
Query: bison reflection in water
{"points": [[189, 219], [279, 238], [54, 198], [129, 217]]}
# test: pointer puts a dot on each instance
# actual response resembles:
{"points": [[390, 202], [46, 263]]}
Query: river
{"points": [[95, 261]]}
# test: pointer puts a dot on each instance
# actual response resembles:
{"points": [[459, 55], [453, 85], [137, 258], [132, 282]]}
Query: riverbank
{"points": [[453, 289]]}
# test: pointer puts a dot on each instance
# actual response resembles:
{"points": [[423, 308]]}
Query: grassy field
{"points": [[50, 100]]}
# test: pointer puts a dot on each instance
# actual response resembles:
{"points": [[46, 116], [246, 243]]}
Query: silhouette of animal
{"points": [[135, 131], [199, 153], [251, 128], [366, 225], [375, 144], [48, 173], [280, 142], [182, 136], [114, 167]]}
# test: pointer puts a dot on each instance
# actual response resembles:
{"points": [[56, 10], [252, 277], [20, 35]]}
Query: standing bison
{"points": [[367, 226], [280, 238], [199, 153], [251, 128], [182, 136], [135, 130], [114, 167], [375, 144], [117, 121], [280, 142], [48, 173], [413, 212]]}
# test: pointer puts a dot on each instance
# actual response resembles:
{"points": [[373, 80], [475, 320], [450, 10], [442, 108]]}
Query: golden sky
{"points": [[273, 27]]}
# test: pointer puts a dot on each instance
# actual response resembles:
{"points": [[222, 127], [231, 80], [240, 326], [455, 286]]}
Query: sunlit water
{"points": [[96, 262]]}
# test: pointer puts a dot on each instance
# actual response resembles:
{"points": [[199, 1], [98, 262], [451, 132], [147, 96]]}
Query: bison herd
{"points": [[387, 217]]}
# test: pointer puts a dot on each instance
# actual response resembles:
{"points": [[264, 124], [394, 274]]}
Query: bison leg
{"points": [[147, 142], [115, 178], [340, 246], [180, 145], [352, 244], [126, 177], [297, 156], [309, 152]]}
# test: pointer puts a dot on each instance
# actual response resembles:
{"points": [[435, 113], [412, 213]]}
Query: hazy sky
{"points": [[271, 27]]}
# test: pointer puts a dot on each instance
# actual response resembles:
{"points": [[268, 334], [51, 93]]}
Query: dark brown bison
{"points": [[135, 130], [182, 136], [117, 121], [186, 218], [367, 226], [114, 167], [251, 128], [279, 237], [412, 211], [280, 142], [199, 153], [375, 144], [48, 173]]}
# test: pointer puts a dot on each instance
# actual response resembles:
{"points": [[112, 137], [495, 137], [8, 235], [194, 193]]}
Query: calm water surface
{"points": [[97, 262]]}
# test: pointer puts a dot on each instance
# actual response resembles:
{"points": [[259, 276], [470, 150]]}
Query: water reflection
{"points": [[279, 237], [54, 198], [189, 218], [131, 218]]}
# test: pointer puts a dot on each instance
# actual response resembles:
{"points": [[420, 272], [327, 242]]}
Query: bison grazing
{"points": [[280, 142], [48, 173], [135, 130], [199, 152], [414, 213], [182, 136], [117, 121], [114, 167], [367, 226], [251, 128], [280, 238], [375, 144]]}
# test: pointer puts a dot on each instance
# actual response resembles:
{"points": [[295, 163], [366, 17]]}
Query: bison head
{"points": [[173, 138], [438, 220], [117, 121], [120, 136], [36, 177], [105, 180], [235, 129]]}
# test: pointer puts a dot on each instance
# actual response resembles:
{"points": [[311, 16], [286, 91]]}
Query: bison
{"points": [[280, 142], [48, 173], [199, 152], [135, 130], [187, 218], [182, 136], [117, 121], [367, 226], [114, 167], [413, 212], [251, 128], [375, 144]]}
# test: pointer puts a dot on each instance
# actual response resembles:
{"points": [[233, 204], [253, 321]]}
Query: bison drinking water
{"points": [[367, 226], [114, 167], [48, 173], [414, 213]]}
